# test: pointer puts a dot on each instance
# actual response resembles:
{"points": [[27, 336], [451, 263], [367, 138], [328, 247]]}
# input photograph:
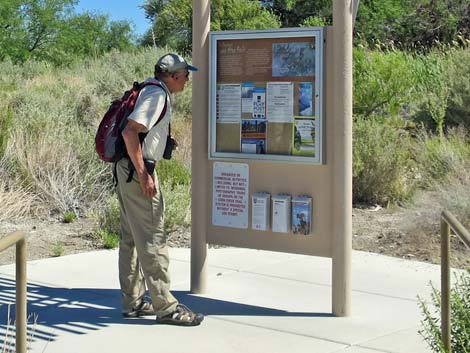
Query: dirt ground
{"points": [[397, 232]]}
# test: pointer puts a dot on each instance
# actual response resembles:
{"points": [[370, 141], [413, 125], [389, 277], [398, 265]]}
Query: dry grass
{"points": [[423, 230], [8, 343], [16, 201], [56, 173], [181, 130]]}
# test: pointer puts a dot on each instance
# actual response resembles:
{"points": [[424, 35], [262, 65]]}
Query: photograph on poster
{"points": [[253, 128], [305, 99], [247, 97], [280, 102], [304, 137], [259, 103], [255, 146], [293, 59], [228, 103]]}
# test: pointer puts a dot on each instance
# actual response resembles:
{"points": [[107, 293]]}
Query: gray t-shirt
{"points": [[147, 110]]}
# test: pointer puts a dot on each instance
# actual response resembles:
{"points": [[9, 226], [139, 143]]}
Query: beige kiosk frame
{"points": [[329, 184], [261, 41]]}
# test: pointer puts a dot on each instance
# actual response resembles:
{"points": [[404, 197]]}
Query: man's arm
{"points": [[130, 135]]}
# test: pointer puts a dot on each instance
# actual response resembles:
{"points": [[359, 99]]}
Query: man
{"points": [[143, 254]]}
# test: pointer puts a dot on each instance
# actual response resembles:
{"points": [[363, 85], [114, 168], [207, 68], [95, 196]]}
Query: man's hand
{"points": [[147, 185]]}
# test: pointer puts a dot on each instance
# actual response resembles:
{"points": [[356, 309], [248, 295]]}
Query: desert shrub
{"points": [[109, 216], [440, 157], [460, 317], [6, 121], [173, 172], [16, 200], [177, 205], [432, 87], [108, 224], [383, 170], [69, 217], [175, 179], [458, 102], [57, 174], [383, 82]]}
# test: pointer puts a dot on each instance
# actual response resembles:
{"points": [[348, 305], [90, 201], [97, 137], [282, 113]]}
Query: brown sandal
{"points": [[182, 316], [143, 309]]}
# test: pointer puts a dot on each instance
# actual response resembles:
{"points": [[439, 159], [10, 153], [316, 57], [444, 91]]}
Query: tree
{"points": [[293, 13], [172, 20], [50, 30]]}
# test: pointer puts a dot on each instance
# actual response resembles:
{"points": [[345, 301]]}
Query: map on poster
{"points": [[230, 195], [293, 59]]}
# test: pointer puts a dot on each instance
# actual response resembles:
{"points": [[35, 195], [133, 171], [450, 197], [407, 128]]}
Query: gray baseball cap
{"points": [[172, 63]]}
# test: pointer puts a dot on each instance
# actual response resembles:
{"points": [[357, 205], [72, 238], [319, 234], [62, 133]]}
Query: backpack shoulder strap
{"points": [[154, 83]]}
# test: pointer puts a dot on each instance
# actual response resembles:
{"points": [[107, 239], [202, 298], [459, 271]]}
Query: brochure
{"points": [[301, 215]]}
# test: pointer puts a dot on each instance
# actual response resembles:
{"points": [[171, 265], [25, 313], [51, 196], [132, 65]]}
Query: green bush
{"points": [[109, 217], [383, 169], [58, 249], [384, 82], [177, 205], [175, 179], [173, 173], [458, 102], [109, 224], [6, 122], [109, 239], [460, 317], [70, 217]]}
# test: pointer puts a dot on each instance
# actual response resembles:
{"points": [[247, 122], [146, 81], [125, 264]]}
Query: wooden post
{"points": [[342, 159], [445, 284], [199, 161]]}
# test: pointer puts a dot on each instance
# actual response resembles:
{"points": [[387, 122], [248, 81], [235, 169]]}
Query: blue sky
{"points": [[118, 10]]}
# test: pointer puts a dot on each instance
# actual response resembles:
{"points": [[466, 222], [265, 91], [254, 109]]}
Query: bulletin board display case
{"points": [[265, 95]]}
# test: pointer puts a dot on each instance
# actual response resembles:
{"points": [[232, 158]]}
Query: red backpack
{"points": [[109, 144]]}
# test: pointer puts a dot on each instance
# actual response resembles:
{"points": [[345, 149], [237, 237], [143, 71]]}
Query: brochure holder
{"points": [[281, 213]]}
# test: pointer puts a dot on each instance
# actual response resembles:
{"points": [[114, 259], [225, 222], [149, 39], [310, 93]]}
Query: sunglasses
{"points": [[186, 74]]}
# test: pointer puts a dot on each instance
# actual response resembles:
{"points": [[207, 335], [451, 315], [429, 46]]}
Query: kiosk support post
{"points": [[199, 162], [342, 161]]}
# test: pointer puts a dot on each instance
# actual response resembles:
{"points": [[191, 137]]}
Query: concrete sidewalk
{"points": [[257, 301]]}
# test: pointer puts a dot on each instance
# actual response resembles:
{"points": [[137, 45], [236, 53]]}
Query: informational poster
{"points": [[259, 103], [253, 136], [275, 77], [229, 103], [247, 97], [230, 195], [280, 102], [305, 99], [304, 136]]}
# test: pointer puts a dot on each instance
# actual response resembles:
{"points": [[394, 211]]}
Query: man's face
{"points": [[180, 78]]}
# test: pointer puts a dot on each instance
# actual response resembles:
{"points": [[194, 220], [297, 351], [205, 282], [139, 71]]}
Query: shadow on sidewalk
{"points": [[83, 310]]}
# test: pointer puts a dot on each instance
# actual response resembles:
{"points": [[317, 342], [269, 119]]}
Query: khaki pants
{"points": [[143, 254]]}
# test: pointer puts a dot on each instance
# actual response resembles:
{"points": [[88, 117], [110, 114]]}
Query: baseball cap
{"points": [[173, 63]]}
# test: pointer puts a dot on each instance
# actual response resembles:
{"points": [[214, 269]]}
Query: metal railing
{"points": [[18, 238], [448, 221]]}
